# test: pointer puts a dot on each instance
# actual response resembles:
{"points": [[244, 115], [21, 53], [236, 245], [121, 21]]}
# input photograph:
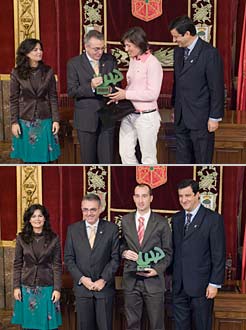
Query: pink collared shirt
{"points": [[144, 80]]}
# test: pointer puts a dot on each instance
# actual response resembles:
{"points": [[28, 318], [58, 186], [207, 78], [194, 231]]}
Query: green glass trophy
{"points": [[109, 81], [146, 260]]}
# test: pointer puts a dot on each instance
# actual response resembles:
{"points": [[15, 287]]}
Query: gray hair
{"points": [[93, 34]]}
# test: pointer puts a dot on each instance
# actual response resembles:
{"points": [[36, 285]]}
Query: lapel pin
{"points": [[191, 61], [100, 232]]}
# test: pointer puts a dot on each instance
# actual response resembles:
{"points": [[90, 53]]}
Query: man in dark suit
{"points": [[142, 231], [84, 75], [198, 93], [92, 258], [199, 260]]}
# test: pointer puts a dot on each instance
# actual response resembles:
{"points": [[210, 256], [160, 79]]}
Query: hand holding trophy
{"points": [[109, 81], [146, 260]]}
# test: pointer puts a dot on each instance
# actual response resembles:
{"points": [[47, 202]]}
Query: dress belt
{"points": [[143, 112]]}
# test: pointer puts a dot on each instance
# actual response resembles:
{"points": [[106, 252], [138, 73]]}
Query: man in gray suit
{"points": [[92, 258], [143, 231], [84, 75]]}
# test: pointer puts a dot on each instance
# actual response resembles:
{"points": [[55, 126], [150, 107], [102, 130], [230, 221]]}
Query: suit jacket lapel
{"points": [[179, 60], [85, 65], [196, 222], [100, 233], [193, 57], [131, 224], [83, 237], [149, 229]]}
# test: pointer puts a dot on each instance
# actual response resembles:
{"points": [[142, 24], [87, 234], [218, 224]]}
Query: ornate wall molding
{"points": [[29, 189], [26, 20]]}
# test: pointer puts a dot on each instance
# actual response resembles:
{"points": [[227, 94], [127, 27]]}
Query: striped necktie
{"points": [[140, 230], [187, 223]]}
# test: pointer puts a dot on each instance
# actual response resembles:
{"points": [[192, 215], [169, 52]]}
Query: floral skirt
{"points": [[36, 144], [36, 310]]}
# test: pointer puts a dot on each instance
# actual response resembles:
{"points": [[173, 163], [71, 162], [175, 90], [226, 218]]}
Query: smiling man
{"points": [[199, 259], [84, 75], [198, 93], [144, 230], [92, 257]]}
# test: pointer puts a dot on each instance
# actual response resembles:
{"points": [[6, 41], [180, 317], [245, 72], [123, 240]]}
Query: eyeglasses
{"points": [[93, 210], [97, 49]]}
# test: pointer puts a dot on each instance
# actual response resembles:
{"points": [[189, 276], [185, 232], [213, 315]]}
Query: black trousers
{"points": [[193, 146], [154, 303], [96, 147], [94, 313], [192, 312]]}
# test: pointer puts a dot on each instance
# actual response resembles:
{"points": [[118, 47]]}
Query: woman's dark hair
{"points": [[183, 24], [22, 61], [27, 232], [138, 37]]}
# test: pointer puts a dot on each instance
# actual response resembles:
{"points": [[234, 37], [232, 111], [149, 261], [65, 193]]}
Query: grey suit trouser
{"points": [[96, 147], [154, 306], [94, 313]]}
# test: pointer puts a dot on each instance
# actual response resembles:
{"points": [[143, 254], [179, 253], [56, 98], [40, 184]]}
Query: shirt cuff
{"points": [[215, 119], [215, 285]]}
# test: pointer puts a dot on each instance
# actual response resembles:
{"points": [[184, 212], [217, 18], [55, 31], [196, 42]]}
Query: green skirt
{"points": [[36, 310], [36, 144]]}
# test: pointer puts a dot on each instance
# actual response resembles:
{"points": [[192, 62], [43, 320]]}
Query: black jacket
{"points": [[101, 261], [199, 256]]}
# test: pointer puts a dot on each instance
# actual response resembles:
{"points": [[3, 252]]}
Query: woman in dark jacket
{"points": [[37, 273], [33, 106]]}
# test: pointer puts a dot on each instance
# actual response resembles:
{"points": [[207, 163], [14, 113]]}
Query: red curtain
{"points": [[232, 188], [243, 277], [62, 194], [8, 205], [60, 33], [226, 12], [241, 87], [7, 49]]}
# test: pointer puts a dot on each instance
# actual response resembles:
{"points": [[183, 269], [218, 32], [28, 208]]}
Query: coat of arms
{"points": [[146, 10], [154, 176]]}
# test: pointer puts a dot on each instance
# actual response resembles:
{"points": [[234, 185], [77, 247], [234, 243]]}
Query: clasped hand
{"points": [[93, 286]]}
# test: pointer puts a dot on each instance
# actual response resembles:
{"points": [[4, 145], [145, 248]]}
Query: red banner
{"points": [[241, 87]]}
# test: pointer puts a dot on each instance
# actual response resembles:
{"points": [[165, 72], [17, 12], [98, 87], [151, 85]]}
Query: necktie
{"points": [[140, 230], [186, 53], [187, 223], [95, 65], [92, 235]]}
